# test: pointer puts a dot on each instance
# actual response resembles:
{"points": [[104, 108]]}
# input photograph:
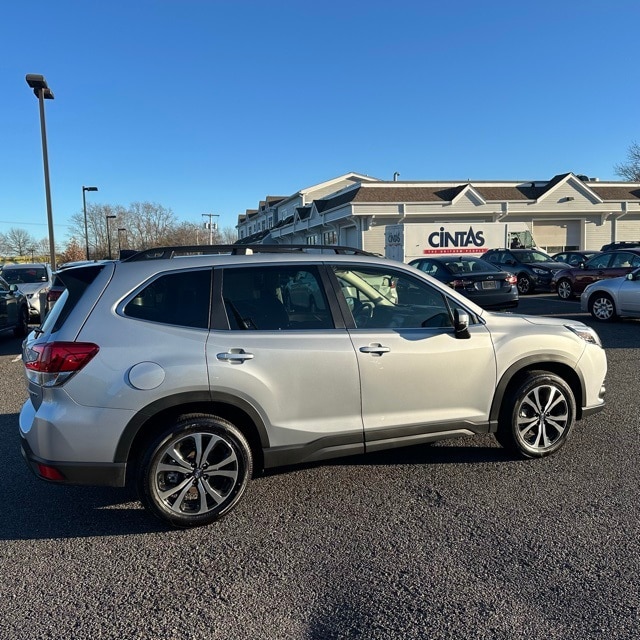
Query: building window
{"points": [[329, 237], [312, 239]]}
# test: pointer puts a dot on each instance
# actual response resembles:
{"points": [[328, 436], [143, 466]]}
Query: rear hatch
{"points": [[83, 286]]}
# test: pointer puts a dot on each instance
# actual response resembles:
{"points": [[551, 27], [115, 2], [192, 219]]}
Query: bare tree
{"points": [[147, 224], [228, 235], [97, 228], [19, 242], [631, 168]]}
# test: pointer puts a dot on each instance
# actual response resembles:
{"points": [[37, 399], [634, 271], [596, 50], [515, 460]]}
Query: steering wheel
{"points": [[362, 313]]}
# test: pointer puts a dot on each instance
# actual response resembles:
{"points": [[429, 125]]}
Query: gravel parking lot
{"points": [[455, 540]]}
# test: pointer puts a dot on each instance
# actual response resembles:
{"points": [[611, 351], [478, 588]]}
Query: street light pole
{"points": [[42, 92], [109, 235], [84, 206]]}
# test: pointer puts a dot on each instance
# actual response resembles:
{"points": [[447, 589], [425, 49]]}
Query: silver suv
{"points": [[182, 370]]}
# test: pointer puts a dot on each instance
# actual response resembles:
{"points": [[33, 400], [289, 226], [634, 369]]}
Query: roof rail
{"points": [[166, 253]]}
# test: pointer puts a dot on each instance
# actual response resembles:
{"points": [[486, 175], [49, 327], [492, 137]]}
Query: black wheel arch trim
{"points": [[531, 363], [146, 414]]}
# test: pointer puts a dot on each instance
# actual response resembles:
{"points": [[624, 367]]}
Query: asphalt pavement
{"points": [[456, 540]]}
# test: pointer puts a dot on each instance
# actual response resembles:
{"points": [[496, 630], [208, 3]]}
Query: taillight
{"points": [[50, 364], [54, 294]]}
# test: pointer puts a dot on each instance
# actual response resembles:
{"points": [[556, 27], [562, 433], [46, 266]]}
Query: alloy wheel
{"points": [[543, 417]]}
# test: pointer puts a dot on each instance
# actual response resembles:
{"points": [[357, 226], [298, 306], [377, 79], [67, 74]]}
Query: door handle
{"points": [[376, 349], [238, 356]]}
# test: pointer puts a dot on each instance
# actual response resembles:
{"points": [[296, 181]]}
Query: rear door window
{"points": [[275, 298]]}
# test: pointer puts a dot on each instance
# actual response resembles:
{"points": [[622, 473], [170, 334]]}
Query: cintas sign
{"points": [[458, 240], [407, 241]]}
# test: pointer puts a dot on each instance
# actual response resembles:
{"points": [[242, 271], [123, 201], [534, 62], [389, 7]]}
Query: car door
{"points": [[295, 367], [593, 270], [629, 295], [7, 301], [416, 376]]}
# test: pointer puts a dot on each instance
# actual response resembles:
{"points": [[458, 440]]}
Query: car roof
{"points": [[26, 265]]}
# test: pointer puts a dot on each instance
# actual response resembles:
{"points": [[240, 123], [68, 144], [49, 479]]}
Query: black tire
{"points": [[525, 284], [564, 289], [602, 307], [22, 328], [537, 415], [213, 465]]}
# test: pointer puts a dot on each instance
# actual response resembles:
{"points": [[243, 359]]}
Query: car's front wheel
{"points": [[564, 289], [525, 285], [537, 415], [602, 307], [196, 471]]}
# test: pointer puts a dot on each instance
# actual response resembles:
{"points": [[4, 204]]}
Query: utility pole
{"points": [[209, 225]]}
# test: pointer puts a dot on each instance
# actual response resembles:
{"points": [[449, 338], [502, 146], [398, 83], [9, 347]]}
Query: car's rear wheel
{"points": [[22, 328], [564, 289], [602, 307], [196, 471], [525, 285], [537, 415]]}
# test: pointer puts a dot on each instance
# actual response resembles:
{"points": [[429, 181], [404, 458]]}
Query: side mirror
{"points": [[461, 324], [630, 276]]}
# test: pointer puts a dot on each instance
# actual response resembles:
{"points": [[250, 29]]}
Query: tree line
{"points": [[139, 226]]}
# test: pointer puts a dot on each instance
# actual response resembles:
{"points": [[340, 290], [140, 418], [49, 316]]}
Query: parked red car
{"points": [[572, 282]]}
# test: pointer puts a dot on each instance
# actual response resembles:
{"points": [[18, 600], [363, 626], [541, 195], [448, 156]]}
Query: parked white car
{"points": [[33, 280], [609, 299]]}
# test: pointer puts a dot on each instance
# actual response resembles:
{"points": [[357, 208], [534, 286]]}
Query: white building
{"points": [[567, 212]]}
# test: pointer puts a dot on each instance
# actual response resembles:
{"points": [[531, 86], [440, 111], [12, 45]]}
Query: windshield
{"points": [[32, 275], [533, 256]]}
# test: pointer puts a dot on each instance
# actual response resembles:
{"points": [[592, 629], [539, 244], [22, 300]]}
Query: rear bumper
{"points": [[96, 474]]}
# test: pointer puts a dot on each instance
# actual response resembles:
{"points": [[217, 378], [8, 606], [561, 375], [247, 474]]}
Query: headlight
{"points": [[584, 332], [540, 272]]}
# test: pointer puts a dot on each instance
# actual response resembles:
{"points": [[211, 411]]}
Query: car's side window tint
{"points": [[182, 298], [277, 298], [389, 299], [600, 262]]}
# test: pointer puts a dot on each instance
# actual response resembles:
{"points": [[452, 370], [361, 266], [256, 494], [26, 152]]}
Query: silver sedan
{"points": [[609, 299]]}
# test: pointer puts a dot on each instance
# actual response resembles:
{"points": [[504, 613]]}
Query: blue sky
{"points": [[207, 106]]}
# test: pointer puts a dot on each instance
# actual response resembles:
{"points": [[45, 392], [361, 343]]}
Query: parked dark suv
{"points": [[183, 372], [533, 267]]}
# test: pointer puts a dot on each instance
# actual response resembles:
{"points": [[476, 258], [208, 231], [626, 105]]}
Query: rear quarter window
{"points": [[181, 298]]}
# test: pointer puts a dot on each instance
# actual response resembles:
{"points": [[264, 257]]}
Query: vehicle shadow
{"points": [[35, 509], [472, 450]]}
